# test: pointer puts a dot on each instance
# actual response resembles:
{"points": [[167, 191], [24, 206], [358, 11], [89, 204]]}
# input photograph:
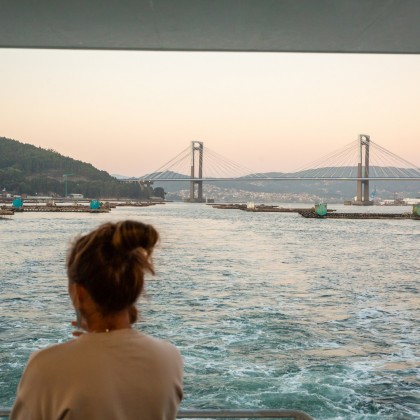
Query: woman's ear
{"points": [[81, 294], [77, 294], [72, 292]]}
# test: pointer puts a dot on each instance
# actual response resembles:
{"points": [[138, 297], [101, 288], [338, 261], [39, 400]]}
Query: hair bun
{"points": [[130, 235]]}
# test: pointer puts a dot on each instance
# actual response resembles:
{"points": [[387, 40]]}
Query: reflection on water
{"points": [[270, 310]]}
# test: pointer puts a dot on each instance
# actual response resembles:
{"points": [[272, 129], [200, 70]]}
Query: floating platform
{"points": [[311, 214], [275, 209], [261, 208], [229, 206], [62, 209], [138, 203], [6, 213]]}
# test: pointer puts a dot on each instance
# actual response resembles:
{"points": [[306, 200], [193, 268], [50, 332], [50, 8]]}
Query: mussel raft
{"points": [[334, 215]]}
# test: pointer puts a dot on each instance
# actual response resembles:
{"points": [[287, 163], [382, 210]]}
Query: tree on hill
{"points": [[27, 169]]}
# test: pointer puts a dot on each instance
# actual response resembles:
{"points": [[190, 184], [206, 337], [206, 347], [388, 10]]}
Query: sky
{"points": [[130, 112]]}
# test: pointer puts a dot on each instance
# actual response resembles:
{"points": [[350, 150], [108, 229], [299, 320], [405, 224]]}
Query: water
{"points": [[269, 310]]}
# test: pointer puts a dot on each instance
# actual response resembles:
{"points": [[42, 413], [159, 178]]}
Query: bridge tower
{"points": [[197, 148], [362, 195]]}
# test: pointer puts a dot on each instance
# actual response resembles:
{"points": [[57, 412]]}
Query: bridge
{"points": [[359, 161]]}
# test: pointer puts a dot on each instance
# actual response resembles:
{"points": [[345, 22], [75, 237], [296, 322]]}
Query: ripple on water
{"points": [[268, 310]]}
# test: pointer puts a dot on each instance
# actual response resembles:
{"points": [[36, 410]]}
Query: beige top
{"points": [[122, 374]]}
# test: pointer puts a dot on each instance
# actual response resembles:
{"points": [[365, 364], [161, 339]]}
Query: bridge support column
{"points": [[197, 148], [362, 194]]}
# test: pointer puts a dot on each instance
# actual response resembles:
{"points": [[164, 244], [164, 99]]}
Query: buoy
{"points": [[95, 204], [321, 209], [17, 203]]}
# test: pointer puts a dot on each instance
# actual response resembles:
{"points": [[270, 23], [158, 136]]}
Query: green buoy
{"points": [[95, 205], [17, 203], [321, 209]]}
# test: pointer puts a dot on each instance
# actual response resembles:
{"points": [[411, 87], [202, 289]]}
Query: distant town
{"points": [[233, 195]]}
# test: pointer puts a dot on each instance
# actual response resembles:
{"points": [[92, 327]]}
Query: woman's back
{"points": [[111, 371], [121, 374]]}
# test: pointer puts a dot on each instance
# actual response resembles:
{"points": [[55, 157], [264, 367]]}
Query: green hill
{"points": [[27, 169]]}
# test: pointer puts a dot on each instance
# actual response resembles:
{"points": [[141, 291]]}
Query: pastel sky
{"points": [[130, 112]]}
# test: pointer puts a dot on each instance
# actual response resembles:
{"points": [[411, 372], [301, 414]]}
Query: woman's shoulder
{"points": [[88, 344], [55, 348], [155, 342], [46, 361]]}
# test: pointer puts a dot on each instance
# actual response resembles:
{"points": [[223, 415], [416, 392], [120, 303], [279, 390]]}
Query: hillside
{"points": [[27, 169]]}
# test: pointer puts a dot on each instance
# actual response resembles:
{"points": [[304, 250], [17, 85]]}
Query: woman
{"points": [[112, 371]]}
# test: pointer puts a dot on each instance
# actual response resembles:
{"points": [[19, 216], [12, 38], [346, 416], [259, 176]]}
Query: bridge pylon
{"points": [[197, 149], [362, 194]]}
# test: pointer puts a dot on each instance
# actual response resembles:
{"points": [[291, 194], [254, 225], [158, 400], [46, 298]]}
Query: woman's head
{"points": [[110, 263]]}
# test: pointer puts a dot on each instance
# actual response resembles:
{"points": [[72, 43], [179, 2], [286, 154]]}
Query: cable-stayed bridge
{"points": [[359, 161]]}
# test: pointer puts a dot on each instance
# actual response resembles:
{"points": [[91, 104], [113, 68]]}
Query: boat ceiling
{"points": [[328, 26]]}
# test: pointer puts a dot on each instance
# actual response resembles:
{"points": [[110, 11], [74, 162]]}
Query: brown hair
{"points": [[110, 262]]}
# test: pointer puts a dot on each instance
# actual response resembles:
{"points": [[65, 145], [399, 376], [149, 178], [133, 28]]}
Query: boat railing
{"points": [[243, 414], [224, 414]]}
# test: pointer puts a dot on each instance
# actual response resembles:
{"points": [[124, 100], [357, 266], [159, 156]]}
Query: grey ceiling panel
{"points": [[356, 26]]}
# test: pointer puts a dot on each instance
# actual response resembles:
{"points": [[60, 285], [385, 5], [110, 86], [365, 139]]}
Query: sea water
{"points": [[269, 310]]}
